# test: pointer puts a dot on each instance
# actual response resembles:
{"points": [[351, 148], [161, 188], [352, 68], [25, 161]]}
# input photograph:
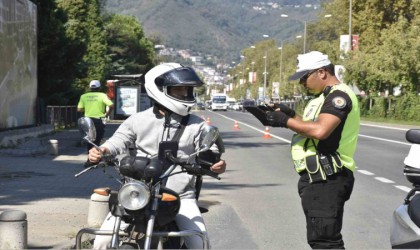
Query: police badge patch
{"points": [[339, 102]]}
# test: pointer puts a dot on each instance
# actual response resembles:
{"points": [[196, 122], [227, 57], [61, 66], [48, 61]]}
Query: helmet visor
{"points": [[184, 76], [181, 93]]}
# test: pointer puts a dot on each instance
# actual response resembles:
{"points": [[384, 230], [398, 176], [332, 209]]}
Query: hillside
{"points": [[217, 27]]}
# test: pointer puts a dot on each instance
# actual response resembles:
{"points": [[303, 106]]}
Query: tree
{"points": [[128, 48], [56, 60], [388, 45], [84, 28]]}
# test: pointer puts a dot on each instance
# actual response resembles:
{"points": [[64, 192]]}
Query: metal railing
{"points": [[62, 116]]}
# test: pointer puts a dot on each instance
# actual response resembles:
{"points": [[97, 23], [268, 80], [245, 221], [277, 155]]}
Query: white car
{"points": [[237, 106]]}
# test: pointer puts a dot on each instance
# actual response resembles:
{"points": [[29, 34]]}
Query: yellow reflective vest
{"points": [[303, 147], [94, 104]]}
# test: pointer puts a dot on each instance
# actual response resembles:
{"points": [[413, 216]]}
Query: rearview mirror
{"points": [[87, 128], [208, 137]]}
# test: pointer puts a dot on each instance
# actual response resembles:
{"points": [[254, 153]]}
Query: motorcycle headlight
{"points": [[134, 195]]}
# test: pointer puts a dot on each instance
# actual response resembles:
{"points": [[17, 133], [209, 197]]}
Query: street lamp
{"points": [[265, 75], [281, 48], [305, 30], [252, 77], [350, 38], [265, 71], [243, 71], [281, 63]]}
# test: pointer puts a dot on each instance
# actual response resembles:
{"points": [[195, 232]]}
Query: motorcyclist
{"points": [[170, 86]]}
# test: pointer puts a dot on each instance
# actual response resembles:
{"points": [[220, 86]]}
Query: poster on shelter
{"points": [[126, 103], [18, 63]]}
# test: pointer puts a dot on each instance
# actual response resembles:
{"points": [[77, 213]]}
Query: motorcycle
{"points": [[143, 201], [405, 225]]}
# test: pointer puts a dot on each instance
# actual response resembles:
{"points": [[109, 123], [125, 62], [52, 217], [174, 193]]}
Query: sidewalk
{"points": [[44, 187]]}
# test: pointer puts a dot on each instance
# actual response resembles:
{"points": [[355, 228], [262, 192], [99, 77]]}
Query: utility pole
{"points": [[350, 36], [265, 75]]}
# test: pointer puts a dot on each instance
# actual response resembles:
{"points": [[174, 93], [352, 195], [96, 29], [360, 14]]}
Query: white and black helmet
{"points": [[164, 76]]}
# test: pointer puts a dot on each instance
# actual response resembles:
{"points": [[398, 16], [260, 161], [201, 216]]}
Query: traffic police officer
{"points": [[323, 147], [93, 104]]}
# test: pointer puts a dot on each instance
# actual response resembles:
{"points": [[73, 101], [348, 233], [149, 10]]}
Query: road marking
{"points": [[381, 139], [381, 126], [384, 180], [403, 188], [245, 124], [365, 172], [288, 141]]}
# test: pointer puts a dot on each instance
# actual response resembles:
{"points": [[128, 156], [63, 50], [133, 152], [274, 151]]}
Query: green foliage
{"points": [[75, 46], [406, 108], [57, 55], [130, 51], [379, 107], [77, 43], [84, 28], [387, 56], [403, 108]]}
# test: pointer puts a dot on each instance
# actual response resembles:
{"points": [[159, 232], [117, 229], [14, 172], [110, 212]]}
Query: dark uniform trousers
{"points": [[100, 131], [323, 205]]}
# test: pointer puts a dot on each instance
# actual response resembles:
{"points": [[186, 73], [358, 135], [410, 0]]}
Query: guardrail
{"points": [[62, 116]]}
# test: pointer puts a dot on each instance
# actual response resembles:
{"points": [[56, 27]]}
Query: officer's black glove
{"points": [[277, 119], [285, 109]]}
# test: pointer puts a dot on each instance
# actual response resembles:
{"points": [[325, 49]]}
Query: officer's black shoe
{"points": [[88, 164]]}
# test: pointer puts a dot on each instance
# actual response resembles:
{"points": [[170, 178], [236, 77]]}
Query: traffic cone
{"points": [[208, 121], [267, 133], [236, 126]]}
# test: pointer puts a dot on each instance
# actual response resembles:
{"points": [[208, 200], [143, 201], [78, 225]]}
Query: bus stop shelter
{"points": [[128, 94]]}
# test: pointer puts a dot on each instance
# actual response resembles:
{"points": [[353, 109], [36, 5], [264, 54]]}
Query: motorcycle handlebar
{"points": [[198, 170], [194, 169], [107, 160]]}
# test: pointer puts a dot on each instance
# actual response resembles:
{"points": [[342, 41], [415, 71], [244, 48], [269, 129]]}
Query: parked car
{"points": [[237, 106], [200, 106], [247, 103]]}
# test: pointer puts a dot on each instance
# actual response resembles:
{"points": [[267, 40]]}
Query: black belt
{"points": [[303, 172]]}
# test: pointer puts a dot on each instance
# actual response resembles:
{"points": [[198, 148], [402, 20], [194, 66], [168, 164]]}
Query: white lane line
{"points": [[381, 139], [381, 179], [365, 172], [381, 126], [288, 141], [262, 131], [384, 180], [403, 188]]}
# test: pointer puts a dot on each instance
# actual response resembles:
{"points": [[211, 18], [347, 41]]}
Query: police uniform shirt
{"points": [[337, 103]]}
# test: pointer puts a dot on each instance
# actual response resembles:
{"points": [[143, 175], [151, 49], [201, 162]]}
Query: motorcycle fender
{"points": [[403, 230]]}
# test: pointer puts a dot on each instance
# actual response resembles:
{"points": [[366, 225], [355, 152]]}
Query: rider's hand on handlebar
{"points": [[219, 167], [95, 155]]}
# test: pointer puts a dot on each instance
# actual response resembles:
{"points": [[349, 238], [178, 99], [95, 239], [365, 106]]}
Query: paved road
{"points": [[44, 187], [255, 205], [264, 192]]}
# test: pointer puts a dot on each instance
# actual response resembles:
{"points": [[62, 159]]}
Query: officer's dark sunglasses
{"points": [[304, 78]]}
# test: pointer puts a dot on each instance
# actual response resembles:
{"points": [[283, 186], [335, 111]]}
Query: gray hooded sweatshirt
{"points": [[146, 130]]}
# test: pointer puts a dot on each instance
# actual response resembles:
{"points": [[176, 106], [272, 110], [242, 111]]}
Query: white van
{"points": [[219, 102]]}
